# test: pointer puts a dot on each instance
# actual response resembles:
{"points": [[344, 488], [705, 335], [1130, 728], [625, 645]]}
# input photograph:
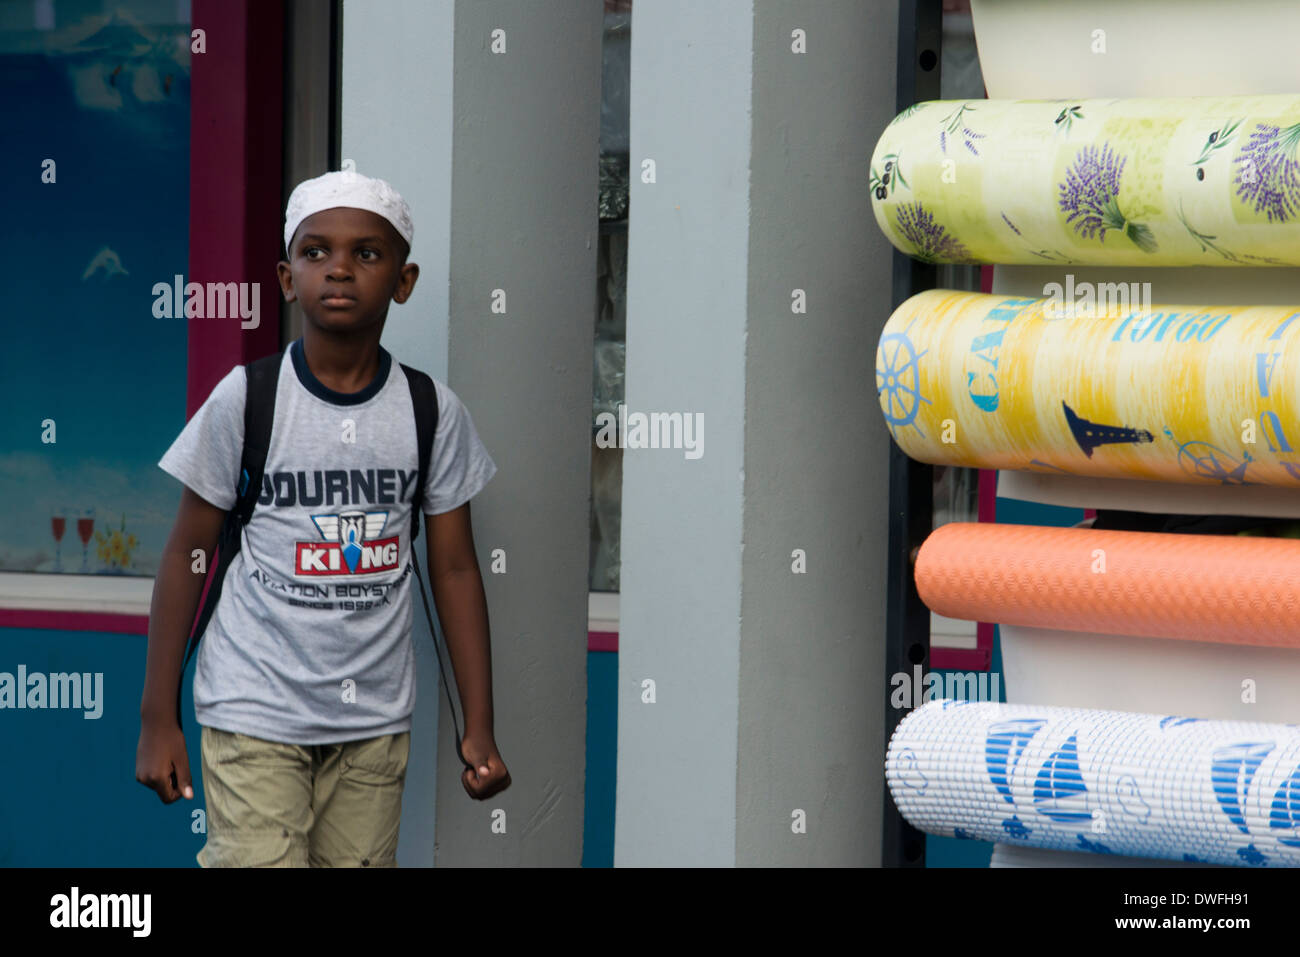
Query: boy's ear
{"points": [[285, 275], [406, 277]]}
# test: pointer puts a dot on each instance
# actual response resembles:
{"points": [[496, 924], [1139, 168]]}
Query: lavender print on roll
{"points": [[930, 241], [1267, 172], [957, 127], [1109, 182], [1090, 196]]}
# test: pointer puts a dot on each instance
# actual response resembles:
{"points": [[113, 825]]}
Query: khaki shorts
{"points": [[287, 805]]}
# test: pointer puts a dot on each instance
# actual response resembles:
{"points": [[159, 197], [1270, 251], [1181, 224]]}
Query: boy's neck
{"points": [[344, 363]]}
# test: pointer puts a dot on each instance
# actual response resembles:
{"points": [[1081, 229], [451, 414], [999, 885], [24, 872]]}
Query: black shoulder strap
{"points": [[424, 397], [259, 413]]}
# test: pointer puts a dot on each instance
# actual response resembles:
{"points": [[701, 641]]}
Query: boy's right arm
{"points": [[161, 761]]}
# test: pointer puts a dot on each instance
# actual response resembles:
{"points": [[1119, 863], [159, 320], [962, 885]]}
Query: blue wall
{"points": [[602, 758], [70, 798]]}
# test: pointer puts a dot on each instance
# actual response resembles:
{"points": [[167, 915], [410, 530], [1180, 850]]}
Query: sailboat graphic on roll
{"points": [[1004, 743], [1059, 792], [1285, 813], [1089, 435], [1232, 769]]}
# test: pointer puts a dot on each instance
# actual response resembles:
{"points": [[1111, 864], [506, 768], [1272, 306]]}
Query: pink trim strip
{"points": [[602, 641], [978, 658], [74, 621]]}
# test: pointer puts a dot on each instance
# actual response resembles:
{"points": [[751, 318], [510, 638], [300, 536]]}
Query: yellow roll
{"points": [[1197, 394], [1139, 182]]}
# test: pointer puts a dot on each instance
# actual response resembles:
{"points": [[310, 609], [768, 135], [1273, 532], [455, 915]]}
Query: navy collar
{"points": [[322, 391]]}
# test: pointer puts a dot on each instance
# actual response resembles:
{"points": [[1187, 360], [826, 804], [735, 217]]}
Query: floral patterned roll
{"points": [[1197, 181]]}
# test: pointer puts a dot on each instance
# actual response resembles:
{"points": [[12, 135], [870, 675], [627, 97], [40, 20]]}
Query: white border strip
{"points": [[111, 594]]}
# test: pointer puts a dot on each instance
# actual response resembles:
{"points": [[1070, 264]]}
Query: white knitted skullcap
{"points": [[346, 188]]}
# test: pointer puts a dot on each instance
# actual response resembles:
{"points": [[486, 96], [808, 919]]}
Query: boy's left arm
{"points": [[462, 610]]}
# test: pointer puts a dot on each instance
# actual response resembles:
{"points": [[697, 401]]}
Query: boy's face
{"points": [[345, 266]]}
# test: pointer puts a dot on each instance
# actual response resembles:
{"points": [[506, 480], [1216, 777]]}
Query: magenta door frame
{"points": [[236, 173]]}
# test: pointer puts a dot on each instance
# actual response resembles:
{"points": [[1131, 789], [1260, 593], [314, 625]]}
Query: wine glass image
{"points": [[58, 521], [85, 528]]}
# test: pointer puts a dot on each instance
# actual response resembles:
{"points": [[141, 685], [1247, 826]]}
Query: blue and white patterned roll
{"points": [[1108, 782]]}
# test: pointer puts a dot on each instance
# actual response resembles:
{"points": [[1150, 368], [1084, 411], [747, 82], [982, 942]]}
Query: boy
{"points": [[304, 692]]}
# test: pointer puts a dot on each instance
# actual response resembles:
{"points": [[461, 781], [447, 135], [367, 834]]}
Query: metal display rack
{"points": [[911, 483]]}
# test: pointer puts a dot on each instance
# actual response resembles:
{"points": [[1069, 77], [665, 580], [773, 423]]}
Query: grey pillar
{"points": [[497, 152], [523, 220], [767, 682]]}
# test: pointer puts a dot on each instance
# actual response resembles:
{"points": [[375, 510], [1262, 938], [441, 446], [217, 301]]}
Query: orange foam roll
{"points": [[1225, 589]]}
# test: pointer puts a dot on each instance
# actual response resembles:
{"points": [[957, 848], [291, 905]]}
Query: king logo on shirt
{"points": [[352, 545]]}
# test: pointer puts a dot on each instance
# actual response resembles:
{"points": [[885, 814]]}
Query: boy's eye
{"points": [[368, 253]]}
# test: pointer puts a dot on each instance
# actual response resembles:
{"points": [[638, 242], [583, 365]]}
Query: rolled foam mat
{"points": [[1105, 782], [1012, 855], [1135, 182], [1219, 588], [1180, 393]]}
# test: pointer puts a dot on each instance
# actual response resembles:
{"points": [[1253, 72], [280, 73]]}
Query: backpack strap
{"points": [[259, 414], [424, 397]]}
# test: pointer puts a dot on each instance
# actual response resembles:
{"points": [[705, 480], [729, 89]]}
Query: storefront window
{"points": [[96, 105]]}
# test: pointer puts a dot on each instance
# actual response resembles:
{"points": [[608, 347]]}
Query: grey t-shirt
{"points": [[310, 642]]}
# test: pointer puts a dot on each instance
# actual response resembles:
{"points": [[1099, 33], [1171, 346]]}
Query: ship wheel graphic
{"points": [[1207, 461], [898, 377]]}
